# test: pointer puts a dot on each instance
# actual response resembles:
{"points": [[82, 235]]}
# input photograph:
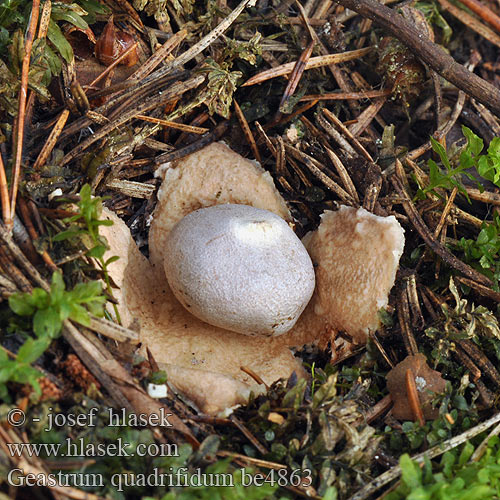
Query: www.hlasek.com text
{"points": [[82, 448]]}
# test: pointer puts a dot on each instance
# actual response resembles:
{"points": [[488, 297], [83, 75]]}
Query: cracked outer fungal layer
{"points": [[356, 254], [240, 268]]}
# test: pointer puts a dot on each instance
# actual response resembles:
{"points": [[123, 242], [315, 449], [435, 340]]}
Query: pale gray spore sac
{"points": [[240, 268]]}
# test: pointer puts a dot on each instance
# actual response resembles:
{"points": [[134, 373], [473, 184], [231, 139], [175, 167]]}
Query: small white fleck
{"points": [[157, 391], [421, 383]]}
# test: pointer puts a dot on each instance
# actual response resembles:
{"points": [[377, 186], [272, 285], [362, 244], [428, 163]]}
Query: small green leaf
{"points": [[68, 235], [439, 149], [47, 322], [474, 143], [56, 36], [111, 260], [32, 349], [98, 251], [411, 473], [20, 305]]}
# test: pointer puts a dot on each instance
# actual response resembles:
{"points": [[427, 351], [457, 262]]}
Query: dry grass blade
{"points": [[343, 174], [131, 188], [51, 140], [44, 19], [445, 212], [4, 193], [258, 445], [314, 62], [21, 115], [205, 42], [159, 55], [335, 134], [295, 76], [113, 330], [342, 96], [485, 196], [366, 117], [113, 65], [481, 289], [471, 22], [246, 130], [355, 143], [30, 270], [324, 178], [178, 126], [33, 234], [404, 323], [480, 360]]}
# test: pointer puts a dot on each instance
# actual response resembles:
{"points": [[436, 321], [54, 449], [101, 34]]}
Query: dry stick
{"points": [[314, 62], [178, 126], [355, 143], [435, 246], [246, 130], [23, 93], [483, 12], [51, 141], [4, 193], [173, 91], [341, 96], [159, 55], [113, 65], [429, 52], [435, 451]]}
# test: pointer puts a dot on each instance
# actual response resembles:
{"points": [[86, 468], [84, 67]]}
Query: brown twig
{"points": [[435, 246], [404, 322], [295, 76], [23, 94], [246, 130], [429, 52], [260, 447], [342, 96], [51, 140], [4, 193]]}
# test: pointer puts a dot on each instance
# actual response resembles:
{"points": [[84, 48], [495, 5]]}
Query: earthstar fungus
{"points": [[204, 361]]}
